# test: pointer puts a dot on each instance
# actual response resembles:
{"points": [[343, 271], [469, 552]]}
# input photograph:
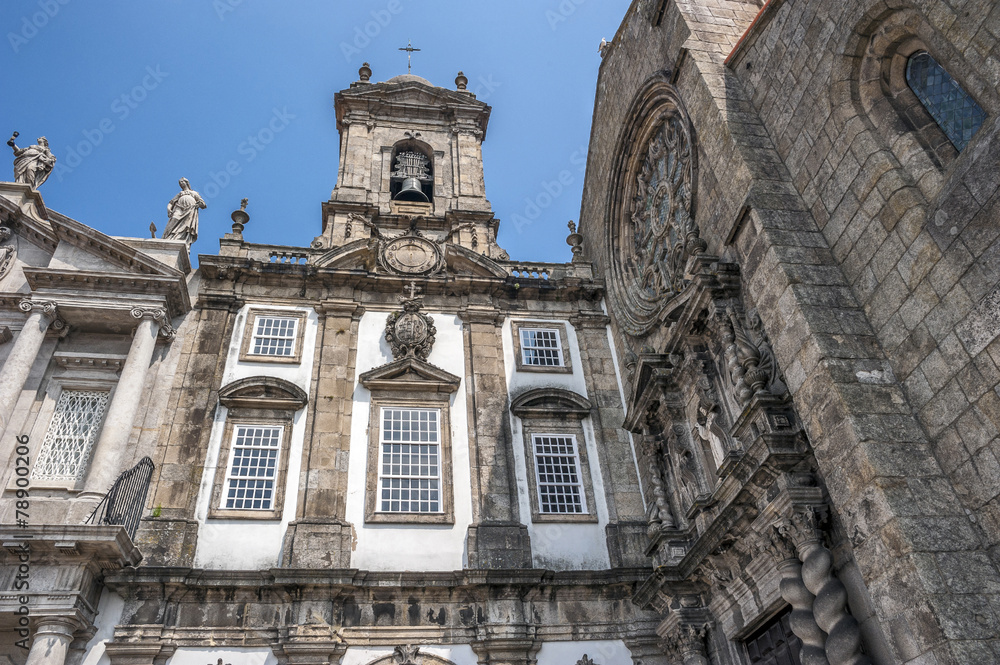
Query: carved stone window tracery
{"points": [[652, 231]]}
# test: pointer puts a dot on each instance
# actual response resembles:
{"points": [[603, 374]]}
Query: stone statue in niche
{"points": [[658, 513], [33, 164], [183, 213], [709, 431], [685, 470]]}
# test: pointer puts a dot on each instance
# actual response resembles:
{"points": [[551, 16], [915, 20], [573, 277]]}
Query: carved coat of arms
{"points": [[410, 333]]}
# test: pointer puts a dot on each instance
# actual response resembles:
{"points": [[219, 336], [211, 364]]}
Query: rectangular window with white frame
{"points": [[252, 471], [557, 475], [409, 477], [69, 441], [273, 336], [541, 347]]}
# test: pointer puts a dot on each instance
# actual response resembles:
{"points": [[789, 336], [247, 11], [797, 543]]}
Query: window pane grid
{"points": [[252, 474], [274, 336], [954, 110], [541, 347], [69, 441], [557, 473], [409, 475]]}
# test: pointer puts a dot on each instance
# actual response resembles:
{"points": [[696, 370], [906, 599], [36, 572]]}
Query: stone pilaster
{"points": [[497, 539], [121, 413], [41, 315], [626, 530], [320, 535]]}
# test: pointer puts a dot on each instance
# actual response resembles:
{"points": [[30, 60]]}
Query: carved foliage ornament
{"points": [[652, 231]]}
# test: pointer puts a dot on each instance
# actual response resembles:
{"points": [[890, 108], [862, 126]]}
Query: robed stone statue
{"points": [[183, 212], [33, 164]]}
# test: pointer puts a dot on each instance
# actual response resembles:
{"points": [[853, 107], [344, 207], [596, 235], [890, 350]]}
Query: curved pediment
{"points": [[352, 256], [549, 402], [263, 392], [463, 261]]}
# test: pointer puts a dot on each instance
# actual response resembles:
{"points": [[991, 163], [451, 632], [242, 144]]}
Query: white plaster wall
{"points": [[602, 652], [253, 544], [235, 655], [109, 613], [416, 547], [460, 654], [569, 546]]}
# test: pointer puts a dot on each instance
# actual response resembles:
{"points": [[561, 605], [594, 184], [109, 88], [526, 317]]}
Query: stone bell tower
{"points": [[410, 158]]}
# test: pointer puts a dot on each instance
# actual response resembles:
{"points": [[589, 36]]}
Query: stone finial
{"points": [[33, 164], [240, 218], [152, 230], [461, 81], [575, 242], [365, 73]]}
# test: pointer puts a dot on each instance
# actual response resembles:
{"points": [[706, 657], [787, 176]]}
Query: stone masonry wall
{"points": [[783, 155]]}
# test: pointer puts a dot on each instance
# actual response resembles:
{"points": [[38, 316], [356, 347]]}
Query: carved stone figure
{"points": [[710, 432], [33, 164], [7, 252], [659, 513], [183, 213]]}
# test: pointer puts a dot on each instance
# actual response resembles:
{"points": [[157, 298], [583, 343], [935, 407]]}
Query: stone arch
{"points": [[548, 401], [263, 392], [410, 655], [871, 78], [414, 145]]}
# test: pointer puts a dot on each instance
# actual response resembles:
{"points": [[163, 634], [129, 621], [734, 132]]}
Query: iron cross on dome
{"points": [[409, 55]]}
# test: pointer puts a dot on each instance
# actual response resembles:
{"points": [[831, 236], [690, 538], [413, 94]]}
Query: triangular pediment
{"points": [[410, 374]]}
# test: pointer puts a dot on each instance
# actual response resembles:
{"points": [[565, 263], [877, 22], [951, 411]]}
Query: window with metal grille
{"points": [[952, 108], [65, 451], [253, 468], [557, 472], [410, 470], [274, 336], [541, 347]]}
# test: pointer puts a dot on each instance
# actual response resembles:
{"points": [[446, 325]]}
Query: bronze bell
{"points": [[411, 191]]}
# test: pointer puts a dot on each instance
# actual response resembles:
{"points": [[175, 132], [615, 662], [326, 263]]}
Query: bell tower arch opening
{"points": [[412, 177]]}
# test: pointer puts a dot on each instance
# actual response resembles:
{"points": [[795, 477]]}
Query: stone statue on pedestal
{"points": [[183, 212], [33, 164]]}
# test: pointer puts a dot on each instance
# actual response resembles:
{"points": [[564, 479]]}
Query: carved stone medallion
{"points": [[410, 254], [410, 333], [653, 233]]}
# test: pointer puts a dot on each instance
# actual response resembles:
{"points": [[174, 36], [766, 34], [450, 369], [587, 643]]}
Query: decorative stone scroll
{"points": [[406, 654], [410, 333], [652, 231], [159, 316]]}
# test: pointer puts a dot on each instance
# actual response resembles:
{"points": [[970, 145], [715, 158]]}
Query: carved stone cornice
{"points": [[590, 320], [340, 308], [159, 316]]}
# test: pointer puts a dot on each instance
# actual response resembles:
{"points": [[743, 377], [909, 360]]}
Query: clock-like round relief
{"points": [[411, 255]]}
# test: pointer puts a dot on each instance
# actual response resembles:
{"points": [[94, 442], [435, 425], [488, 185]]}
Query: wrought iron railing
{"points": [[122, 505]]}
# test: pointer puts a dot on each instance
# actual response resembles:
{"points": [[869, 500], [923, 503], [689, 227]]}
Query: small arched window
{"points": [[955, 111]]}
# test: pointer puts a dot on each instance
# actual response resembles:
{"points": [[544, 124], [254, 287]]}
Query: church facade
{"points": [[754, 420]]}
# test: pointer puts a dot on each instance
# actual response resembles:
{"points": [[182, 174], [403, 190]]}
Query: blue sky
{"points": [[134, 95]]}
